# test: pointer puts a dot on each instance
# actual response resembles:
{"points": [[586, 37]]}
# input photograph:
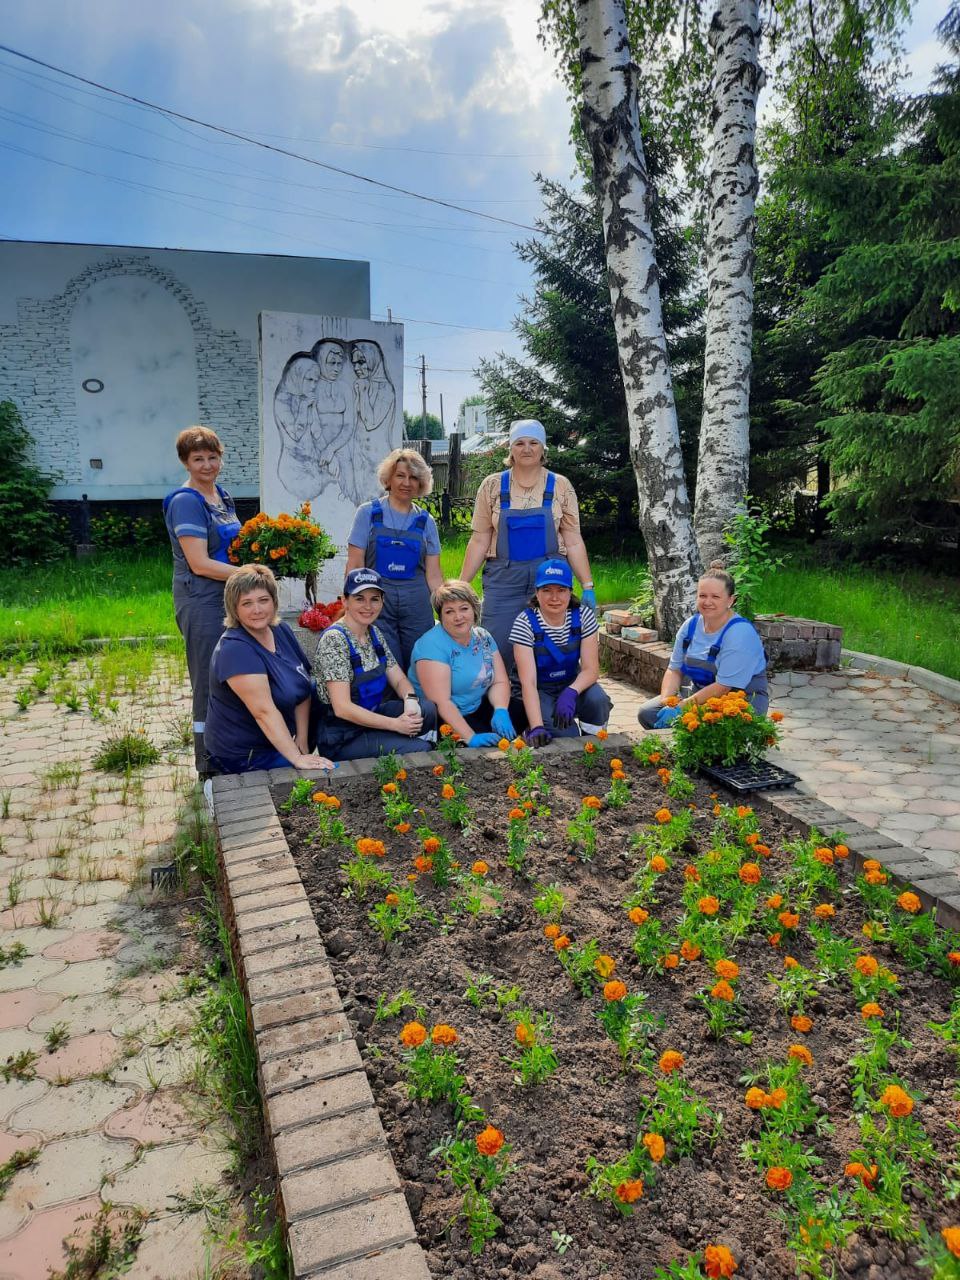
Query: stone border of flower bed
{"points": [[340, 1194]]}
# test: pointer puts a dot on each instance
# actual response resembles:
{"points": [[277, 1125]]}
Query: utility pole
{"points": [[423, 392], [443, 425]]}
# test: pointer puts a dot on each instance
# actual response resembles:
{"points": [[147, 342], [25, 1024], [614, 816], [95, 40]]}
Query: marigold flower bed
{"points": [[693, 952]]}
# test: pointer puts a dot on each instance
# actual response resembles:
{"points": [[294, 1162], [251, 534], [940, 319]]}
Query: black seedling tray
{"points": [[748, 775]]}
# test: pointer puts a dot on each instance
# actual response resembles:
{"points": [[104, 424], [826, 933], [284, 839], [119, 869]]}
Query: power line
{"points": [[444, 324], [267, 146]]}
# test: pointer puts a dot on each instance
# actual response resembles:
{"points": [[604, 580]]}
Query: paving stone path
{"points": [[94, 1022], [106, 1101]]}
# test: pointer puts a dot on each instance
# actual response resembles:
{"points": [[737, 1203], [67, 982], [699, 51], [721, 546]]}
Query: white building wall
{"points": [[108, 352]]}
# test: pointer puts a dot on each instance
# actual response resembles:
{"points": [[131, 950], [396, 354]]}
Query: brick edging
{"points": [[340, 1194]]}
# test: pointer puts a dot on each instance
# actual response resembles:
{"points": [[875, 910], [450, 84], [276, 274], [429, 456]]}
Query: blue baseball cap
{"points": [[358, 580], [554, 573]]}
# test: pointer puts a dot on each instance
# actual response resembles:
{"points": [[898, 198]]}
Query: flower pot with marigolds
{"points": [[292, 546], [723, 730]]}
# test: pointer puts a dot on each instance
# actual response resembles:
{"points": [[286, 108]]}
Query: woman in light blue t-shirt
{"points": [[457, 665]]}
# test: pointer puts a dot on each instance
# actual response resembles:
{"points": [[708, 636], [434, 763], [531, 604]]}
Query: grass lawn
{"points": [[893, 613]]}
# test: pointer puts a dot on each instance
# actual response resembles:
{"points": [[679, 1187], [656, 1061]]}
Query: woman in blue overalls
{"points": [[556, 645], [202, 522], [401, 542], [521, 517], [370, 706], [715, 651]]}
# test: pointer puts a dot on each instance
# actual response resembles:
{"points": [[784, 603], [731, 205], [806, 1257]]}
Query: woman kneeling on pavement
{"points": [[715, 651], [371, 706], [261, 690], [458, 666], [556, 646]]}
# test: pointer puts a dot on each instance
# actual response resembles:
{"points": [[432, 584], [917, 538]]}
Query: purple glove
{"points": [[538, 737], [565, 708]]}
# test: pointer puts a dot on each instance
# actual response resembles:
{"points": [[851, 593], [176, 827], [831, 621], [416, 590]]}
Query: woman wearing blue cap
{"points": [[399, 540], [521, 517], [715, 651], [371, 706], [557, 650]]}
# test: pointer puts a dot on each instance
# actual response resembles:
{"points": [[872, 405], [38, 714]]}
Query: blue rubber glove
{"points": [[589, 598], [564, 708], [666, 717], [502, 724], [538, 737], [483, 740]]}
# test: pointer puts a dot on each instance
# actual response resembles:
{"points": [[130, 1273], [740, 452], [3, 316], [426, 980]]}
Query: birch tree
{"points": [[609, 118], [723, 461]]}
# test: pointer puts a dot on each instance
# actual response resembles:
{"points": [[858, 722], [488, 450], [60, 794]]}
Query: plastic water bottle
{"points": [[411, 705]]}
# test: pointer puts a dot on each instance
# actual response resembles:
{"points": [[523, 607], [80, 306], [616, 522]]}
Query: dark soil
{"points": [[588, 1107]]}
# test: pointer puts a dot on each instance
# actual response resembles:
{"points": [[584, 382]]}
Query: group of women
{"points": [[387, 673]]}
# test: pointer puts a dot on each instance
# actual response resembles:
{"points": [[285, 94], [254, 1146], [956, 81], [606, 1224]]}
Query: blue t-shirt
{"points": [[741, 655], [398, 521], [190, 515], [231, 733], [471, 665]]}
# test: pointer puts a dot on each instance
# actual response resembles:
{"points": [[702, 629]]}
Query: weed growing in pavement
{"points": [[16, 953], [5, 798], [123, 752], [14, 886], [56, 1037], [108, 1249], [19, 1160], [19, 1066], [65, 773], [24, 697]]}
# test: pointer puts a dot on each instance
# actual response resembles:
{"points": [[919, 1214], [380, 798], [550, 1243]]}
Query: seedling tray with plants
{"points": [[618, 1025]]}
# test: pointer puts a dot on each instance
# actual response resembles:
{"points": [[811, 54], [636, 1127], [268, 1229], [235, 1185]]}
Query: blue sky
{"points": [[453, 99]]}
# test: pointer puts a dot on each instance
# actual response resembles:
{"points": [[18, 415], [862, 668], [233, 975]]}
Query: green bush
{"points": [[34, 532]]}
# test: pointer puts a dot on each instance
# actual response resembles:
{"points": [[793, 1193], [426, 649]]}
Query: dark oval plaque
{"points": [[93, 385]]}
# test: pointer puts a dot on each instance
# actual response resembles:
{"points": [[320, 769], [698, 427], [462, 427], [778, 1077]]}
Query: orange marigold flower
{"points": [[744, 811], [655, 1146], [951, 1238], [604, 965], [779, 1178], [423, 864], [592, 802], [953, 958], [658, 864], [763, 850], [717, 811], [824, 855], [689, 950], [439, 770], [503, 745], [616, 763], [614, 990], [512, 792], [824, 911], [447, 791], [789, 919], [801, 1053], [728, 969], [637, 915], [654, 757], [876, 877], [402, 828], [431, 845], [672, 701], [871, 864], [722, 990], [870, 1010], [670, 961], [867, 966], [319, 797], [627, 1192], [777, 1098], [401, 775], [897, 1101], [749, 873], [800, 1022], [708, 906], [551, 931], [392, 900], [718, 1262], [370, 848], [412, 877], [524, 1034], [854, 1169], [389, 788], [617, 775], [590, 748], [663, 816], [774, 939], [691, 873], [663, 775], [443, 1034], [841, 851], [909, 902], [561, 943], [517, 815], [480, 868], [413, 1035], [789, 962], [670, 1061], [775, 901], [755, 1099], [753, 837], [776, 716], [602, 735], [489, 1141], [446, 730], [518, 743]]}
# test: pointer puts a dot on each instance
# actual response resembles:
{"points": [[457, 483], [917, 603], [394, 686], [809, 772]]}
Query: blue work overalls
{"points": [[524, 540], [400, 559], [558, 665], [703, 671], [198, 603]]}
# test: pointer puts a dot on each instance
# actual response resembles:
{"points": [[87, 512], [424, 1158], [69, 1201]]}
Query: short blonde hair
{"points": [[252, 577], [459, 590], [417, 467], [193, 439]]}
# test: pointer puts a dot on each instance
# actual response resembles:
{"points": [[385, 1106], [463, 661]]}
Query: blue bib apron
{"points": [[198, 604], [703, 671], [400, 558], [557, 665], [366, 687], [524, 540]]}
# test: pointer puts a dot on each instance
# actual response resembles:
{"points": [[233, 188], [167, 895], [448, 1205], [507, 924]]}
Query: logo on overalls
{"points": [[396, 568]]}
